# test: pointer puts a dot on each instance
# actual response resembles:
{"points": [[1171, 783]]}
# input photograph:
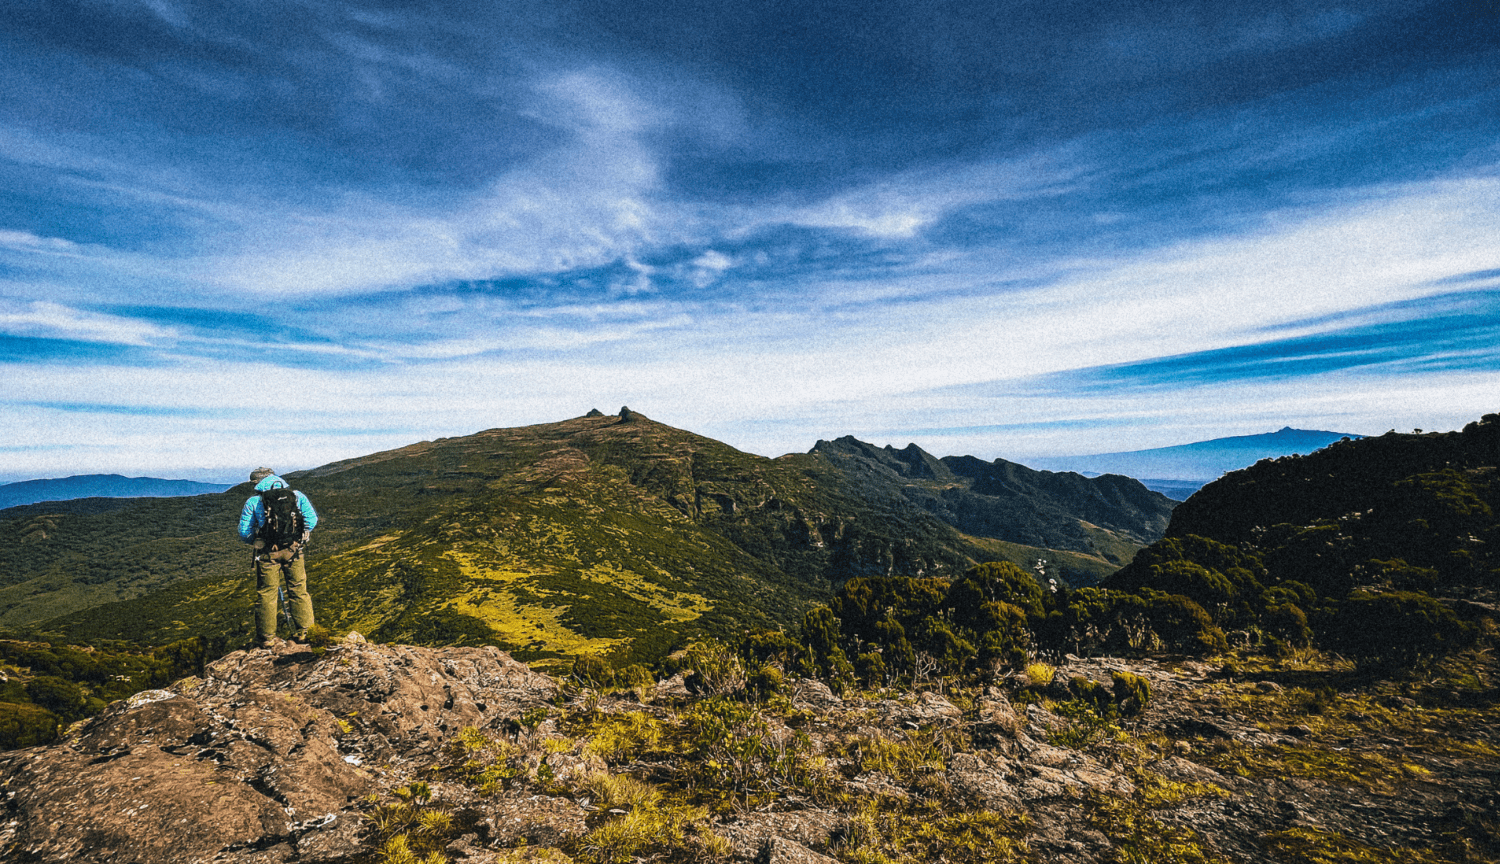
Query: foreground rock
{"points": [[289, 757], [269, 749]]}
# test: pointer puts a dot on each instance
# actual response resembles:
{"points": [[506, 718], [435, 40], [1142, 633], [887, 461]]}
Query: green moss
{"points": [[618, 738], [1139, 838], [1306, 846], [1154, 792], [893, 831], [1371, 771]]}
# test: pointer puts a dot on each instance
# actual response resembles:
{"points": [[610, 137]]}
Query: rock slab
{"points": [[264, 755]]}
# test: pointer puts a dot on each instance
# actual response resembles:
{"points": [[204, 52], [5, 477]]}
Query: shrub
{"points": [[1402, 576], [591, 671], [63, 698], [713, 668], [1182, 624], [1097, 618], [997, 581], [1287, 622], [634, 676], [765, 680], [1290, 591], [821, 637], [870, 668], [739, 760], [1132, 692], [1396, 629], [26, 725], [659, 827], [1039, 674], [621, 737], [1208, 588], [952, 652], [1000, 633], [1091, 693], [769, 646]]}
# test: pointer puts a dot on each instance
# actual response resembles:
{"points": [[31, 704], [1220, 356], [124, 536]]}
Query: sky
{"points": [[285, 233]]}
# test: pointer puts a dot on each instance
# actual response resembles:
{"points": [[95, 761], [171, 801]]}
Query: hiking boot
{"points": [[266, 642], [300, 637]]}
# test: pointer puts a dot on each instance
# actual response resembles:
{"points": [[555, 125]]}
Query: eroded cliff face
{"points": [[267, 749]]}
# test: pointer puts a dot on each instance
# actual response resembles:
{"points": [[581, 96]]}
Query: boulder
{"points": [[927, 710], [260, 759], [812, 694]]}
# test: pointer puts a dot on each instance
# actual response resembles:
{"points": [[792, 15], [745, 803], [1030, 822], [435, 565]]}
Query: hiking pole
{"points": [[286, 612]]}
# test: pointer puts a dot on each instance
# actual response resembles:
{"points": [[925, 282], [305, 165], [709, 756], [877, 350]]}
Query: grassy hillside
{"points": [[62, 556], [611, 535]]}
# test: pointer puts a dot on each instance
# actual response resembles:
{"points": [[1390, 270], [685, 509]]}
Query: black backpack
{"points": [[283, 525]]}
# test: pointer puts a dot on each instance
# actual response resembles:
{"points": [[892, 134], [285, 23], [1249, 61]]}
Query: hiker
{"points": [[277, 521]]}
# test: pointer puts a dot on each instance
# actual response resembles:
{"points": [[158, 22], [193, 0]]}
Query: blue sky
{"points": [[286, 233]]}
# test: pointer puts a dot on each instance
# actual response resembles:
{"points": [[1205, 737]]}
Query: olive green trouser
{"points": [[270, 569]]}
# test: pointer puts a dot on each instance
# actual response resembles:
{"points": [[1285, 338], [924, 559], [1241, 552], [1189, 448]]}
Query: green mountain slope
{"points": [[1375, 548], [603, 534]]}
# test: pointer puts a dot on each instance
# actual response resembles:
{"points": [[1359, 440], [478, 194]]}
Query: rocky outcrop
{"points": [[294, 757], [268, 750]]}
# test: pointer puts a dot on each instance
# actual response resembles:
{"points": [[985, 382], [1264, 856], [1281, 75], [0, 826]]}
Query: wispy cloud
{"points": [[1457, 332], [41, 319], [26, 241]]}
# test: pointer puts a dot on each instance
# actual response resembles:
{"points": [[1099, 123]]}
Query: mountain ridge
{"points": [[605, 534], [25, 492], [1183, 468]]}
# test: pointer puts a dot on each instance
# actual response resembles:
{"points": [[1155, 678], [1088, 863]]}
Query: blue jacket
{"points": [[253, 515]]}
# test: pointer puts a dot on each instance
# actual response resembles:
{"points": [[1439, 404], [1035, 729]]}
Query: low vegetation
{"points": [[44, 687]]}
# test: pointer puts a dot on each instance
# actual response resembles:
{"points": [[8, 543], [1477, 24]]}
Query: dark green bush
{"points": [[870, 667], [999, 633], [63, 698], [1290, 591], [1394, 629], [765, 680], [1091, 693], [1182, 624], [1402, 576], [821, 637], [591, 671], [1208, 588], [769, 646], [23, 725], [1287, 622], [997, 582]]}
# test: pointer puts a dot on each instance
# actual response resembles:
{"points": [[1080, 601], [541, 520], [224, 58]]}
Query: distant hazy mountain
{"points": [[101, 486], [1179, 471]]}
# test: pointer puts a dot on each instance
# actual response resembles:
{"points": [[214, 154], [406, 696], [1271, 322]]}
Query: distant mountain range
{"points": [[100, 486], [602, 534], [1180, 471]]}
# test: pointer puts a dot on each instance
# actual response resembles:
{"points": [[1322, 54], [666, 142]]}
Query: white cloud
{"points": [[1205, 294], [53, 321], [900, 205], [25, 240], [585, 203]]}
